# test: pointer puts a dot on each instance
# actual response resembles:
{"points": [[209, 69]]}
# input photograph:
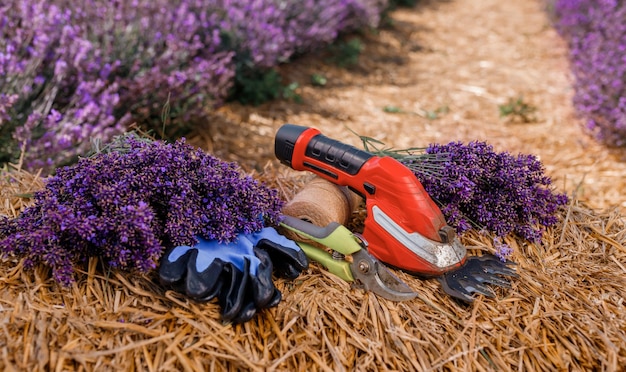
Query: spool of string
{"points": [[321, 202]]}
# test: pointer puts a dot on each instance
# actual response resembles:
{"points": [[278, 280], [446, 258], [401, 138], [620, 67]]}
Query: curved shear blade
{"points": [[373, 276], [474, 276]]}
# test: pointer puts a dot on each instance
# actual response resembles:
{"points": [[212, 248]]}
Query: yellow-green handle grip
{"points": [[334, 236]]}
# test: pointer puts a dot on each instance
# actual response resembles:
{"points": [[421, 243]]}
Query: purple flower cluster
{"points": [[477, 187], [74, 71], [271, 32], [87, 71], [129, 204], [596, 35]]}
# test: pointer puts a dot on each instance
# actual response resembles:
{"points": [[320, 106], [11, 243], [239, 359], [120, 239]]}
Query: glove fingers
{"points": [[246, 313], [241, 281], [275, 300], [243, 294], [262, 285], [172, 272], [233, 294], [250, 309], [289, 271], [288, 262], [206, 284]]}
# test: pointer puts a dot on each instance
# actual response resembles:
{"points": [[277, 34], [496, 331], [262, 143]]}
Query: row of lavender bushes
{"points": [[71, 71], [595, 32]]}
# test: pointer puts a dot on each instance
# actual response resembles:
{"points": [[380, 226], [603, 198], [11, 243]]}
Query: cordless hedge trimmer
{"points": [[404, 227]]}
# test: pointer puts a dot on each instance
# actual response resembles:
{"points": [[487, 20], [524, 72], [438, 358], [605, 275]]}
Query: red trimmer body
{"points": [[404, 227]]}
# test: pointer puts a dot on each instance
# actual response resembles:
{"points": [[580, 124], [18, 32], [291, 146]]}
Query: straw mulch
{"points": [[564, 312]]}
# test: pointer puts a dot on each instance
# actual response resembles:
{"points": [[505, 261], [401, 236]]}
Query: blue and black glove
{"points": [[238, 274]]}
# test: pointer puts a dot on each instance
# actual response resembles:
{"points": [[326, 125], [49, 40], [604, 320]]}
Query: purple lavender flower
{"points": [[128, 204], [6, 103], [596, 35], [271, 32], [503, 250], [494, 192], [90, 72]]}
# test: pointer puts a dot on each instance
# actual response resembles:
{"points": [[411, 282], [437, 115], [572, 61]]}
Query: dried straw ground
{"points": [[565, 312]]}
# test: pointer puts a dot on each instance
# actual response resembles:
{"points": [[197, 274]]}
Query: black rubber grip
{"points": [[305, 227], [339, 155], [285, 142]]}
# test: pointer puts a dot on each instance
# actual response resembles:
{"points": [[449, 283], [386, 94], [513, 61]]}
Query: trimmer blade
{"points": [[473, 276]]}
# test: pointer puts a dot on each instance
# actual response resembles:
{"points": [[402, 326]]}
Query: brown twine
{"points": [[321, 202]]}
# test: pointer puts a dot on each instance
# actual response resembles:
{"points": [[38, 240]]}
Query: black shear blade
{"points": [[474, 275]]}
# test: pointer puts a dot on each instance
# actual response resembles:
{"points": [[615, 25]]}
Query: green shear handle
{"points": [[335, 236]]}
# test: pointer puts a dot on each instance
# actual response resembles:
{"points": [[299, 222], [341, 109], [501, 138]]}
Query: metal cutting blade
{"points": [[373, 276], [475, 275]]}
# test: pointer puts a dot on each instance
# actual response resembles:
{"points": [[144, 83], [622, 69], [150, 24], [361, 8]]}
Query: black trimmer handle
{"points": [[327, 151]]}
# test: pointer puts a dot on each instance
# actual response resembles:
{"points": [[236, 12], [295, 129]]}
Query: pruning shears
{"points": [[350, 260]]}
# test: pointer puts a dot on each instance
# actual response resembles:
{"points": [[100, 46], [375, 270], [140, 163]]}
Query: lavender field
{"points": [[73, 71]]}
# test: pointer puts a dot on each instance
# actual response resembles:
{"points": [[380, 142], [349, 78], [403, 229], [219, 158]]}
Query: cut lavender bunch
{"points": [[476, 187], [497, 192], [128, 203]]}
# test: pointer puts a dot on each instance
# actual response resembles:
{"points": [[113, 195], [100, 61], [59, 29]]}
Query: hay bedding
{"points": [[565, 312]]}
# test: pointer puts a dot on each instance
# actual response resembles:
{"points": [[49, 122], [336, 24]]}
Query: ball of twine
{"points": [[321, 202]]}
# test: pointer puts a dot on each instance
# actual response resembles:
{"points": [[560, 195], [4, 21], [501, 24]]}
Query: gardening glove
{"points": [[238, 274]]}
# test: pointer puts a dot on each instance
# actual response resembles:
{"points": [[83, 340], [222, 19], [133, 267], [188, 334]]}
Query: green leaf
{"points": [[318, 80], [392, 109]]}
